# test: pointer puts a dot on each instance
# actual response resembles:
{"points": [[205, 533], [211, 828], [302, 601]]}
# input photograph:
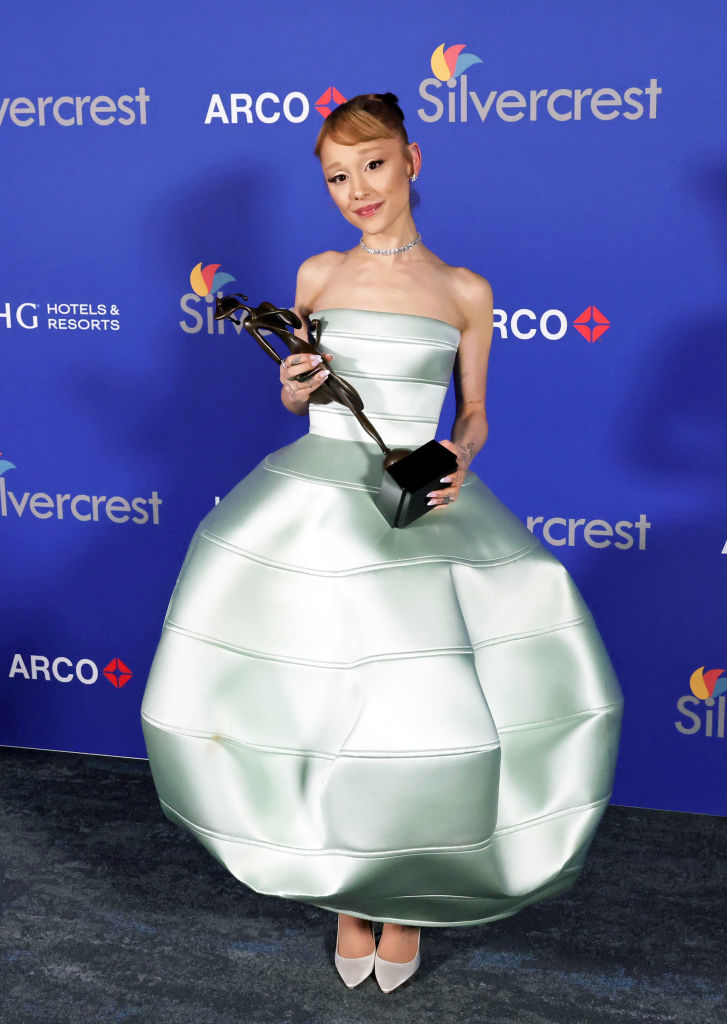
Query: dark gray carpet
{"points": [[111, 913]]}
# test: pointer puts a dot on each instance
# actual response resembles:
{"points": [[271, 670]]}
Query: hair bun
{"points": [[392, 100]]}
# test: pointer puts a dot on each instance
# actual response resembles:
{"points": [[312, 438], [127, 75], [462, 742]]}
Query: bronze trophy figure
{"points": [[407, 474]]}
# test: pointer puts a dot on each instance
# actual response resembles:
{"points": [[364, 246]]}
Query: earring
{"points": [[413, 177]]}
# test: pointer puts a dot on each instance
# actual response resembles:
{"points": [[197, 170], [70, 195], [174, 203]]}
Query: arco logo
{"points": [[117, 673], [39, 667], [328, 99], [708, 684], [449, 64], [5, 464], [592, 323], [206, 280], [552, 324]]}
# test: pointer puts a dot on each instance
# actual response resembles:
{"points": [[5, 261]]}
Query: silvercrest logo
{"points": [[68, 111], [82, 507], [565, 104]]}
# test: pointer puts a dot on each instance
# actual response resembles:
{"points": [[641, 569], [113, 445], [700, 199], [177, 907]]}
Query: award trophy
{"points": [[407, 474]]}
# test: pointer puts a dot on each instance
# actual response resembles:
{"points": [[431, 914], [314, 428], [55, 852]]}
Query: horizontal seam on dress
{"points": [[527, 633], [485, 899], [396, 378], [372, 566], [386, 755], [350, 752], [319, 479], [331, 850], [331, 410], [543, 723], [544, 818], [316, 663], [409, 340], [351, 485], [368, 855]]}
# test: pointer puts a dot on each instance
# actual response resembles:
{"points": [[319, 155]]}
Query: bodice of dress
{"points": [[400, 364]]}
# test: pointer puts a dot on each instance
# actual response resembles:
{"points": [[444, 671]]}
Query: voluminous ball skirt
{"points": [[416, 725]]}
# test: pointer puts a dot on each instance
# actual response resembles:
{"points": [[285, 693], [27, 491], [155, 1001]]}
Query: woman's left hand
{"points": [[440, 499]]}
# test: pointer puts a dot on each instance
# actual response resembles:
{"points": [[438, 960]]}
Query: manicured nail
{"points": [[324, 373], [316, 359], [445, 479], [432, 502], [429, 495]]}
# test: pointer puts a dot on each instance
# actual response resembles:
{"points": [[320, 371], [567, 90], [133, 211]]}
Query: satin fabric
{"points": [[416, 725]]}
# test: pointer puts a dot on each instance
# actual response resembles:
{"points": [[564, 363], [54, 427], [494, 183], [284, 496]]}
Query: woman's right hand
{"points": [[300, 362]]}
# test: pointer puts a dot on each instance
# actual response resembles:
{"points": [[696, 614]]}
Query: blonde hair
{"points": [[371, 115]]}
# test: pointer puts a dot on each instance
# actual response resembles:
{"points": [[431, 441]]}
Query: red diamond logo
{"points": [[331, 95], [117, 672], [592, 323]]}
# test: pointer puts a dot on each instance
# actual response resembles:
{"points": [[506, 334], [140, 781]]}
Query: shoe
{"points": [[353, 969], [390, 974]]}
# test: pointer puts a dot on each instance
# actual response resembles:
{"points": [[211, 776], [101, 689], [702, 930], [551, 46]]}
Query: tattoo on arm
{"points": [[469, 450]]}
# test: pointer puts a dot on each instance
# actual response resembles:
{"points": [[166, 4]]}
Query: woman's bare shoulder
{"points": [[313, 274], [319, 264], [469, 283], [473, 292]]}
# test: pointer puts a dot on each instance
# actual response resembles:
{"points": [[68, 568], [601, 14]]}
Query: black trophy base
{"points": [[403, 494]]}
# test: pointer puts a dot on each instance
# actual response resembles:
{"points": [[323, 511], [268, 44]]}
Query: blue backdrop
{"points": [[575, 154]]}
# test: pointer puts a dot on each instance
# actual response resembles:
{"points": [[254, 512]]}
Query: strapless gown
{"points": [[416, 725]]}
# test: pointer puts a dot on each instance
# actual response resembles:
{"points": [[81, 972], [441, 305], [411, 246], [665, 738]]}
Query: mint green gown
{"points": [[416, 725]]}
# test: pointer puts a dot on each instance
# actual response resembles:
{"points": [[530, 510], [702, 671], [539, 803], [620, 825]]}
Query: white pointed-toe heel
{"points": [[390, 974], [353, 969]]}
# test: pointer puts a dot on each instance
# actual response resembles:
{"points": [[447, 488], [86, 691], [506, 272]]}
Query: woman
{"points": [[416, 726]]}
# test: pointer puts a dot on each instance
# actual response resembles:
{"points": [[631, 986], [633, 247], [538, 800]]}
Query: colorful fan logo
{"points": [[708, 684], [206, 280], [6, 464], [450, 63]]}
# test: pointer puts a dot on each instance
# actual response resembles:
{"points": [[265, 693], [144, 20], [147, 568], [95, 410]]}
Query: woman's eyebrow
{"points": [[363, 152]]}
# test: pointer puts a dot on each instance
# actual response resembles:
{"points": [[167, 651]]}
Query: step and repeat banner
{"points": [[574, 154]]}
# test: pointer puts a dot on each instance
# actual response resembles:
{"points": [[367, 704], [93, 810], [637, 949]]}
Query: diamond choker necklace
{"points": [[390, 252]]}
